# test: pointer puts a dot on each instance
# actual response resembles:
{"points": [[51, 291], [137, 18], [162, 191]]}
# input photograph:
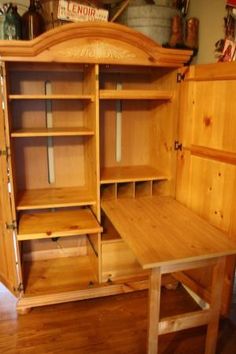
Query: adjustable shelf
{"points": [[44, 132], [53, 198], [57, 224], [51, 97], [135, 95], [130, 174]]}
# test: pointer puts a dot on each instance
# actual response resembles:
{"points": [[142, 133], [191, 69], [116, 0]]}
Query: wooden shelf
{"points": [[135, 95], [58, 275], [130, 174], [41, 132], [51, 97], [57, 224], [53, 198]]}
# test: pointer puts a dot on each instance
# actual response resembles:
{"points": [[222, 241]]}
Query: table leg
{"points": [[154, 310], [215, 305]]}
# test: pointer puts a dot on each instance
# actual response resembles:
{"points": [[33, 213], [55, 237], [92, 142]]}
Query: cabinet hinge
{"points": [[178, 145], [180, 77], [5, 152], [12, 226], [1, 71], [20, 288]]}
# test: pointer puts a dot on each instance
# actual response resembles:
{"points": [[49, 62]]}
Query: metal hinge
{"points": [[5, 152], [180, 77], [12, 226], [178, 145], [19, 289], [1, 71]]}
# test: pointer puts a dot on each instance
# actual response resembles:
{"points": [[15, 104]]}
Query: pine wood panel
{"points": [[41, 132], [8, 252], [52, 198], [70, 165], [129, 174], [51, 97], [107, 43], [135, 95], [45, 277], [118, 260], [206, 166], [57, 224], [161, 231]]}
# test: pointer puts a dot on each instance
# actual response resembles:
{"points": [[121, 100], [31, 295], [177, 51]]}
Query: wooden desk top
{"points": [[160, 231]]}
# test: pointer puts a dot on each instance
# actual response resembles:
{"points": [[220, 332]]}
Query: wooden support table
{"points": [[167, 237]]}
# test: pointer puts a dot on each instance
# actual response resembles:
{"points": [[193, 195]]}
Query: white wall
{"points": [[211, 15]]}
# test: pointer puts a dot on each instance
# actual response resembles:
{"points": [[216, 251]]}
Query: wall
{"points": [[211, 15]]}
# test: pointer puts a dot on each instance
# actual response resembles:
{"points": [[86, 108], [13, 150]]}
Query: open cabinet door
{"points": [[206, 173], [8, 246]]}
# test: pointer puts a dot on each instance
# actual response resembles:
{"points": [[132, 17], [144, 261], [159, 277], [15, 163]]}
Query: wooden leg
{"points": [[154, 310], [215, 305]]}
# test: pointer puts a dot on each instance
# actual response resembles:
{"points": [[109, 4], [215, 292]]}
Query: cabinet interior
{"points": [[81, 134]]}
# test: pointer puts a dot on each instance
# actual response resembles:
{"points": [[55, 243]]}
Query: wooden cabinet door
{"points": [[9, 265], [206, 173]]}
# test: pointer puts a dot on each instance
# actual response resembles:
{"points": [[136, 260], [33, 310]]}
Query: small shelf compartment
{"points": [[35, 225]]}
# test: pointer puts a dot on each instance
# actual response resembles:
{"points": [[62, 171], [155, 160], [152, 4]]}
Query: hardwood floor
{"points": [[112, 325]]}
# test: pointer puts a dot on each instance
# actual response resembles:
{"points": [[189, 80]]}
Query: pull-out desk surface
{"points": [[166, 237]]}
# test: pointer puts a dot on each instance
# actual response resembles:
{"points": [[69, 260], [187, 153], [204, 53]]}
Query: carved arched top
{"points": [[93, 42]]}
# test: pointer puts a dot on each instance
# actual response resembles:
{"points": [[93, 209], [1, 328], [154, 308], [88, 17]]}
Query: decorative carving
{"points": [[97, 50]]}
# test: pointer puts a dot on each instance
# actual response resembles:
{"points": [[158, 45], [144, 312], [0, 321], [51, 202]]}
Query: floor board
{"points": [[111, 325]]}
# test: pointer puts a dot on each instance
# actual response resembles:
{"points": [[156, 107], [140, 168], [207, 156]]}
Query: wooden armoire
{"points": [[93, 112]]}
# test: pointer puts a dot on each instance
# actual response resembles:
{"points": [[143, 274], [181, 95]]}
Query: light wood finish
{"points": [[158, 239], [57, 224], [134, 95], [8, 272], [34, 132], [117, 45], [206, 165], [86, 291], [214, 154], [172, 244], [118, 260], [163, 235], [154, 310], [130, 174], [215, 305], [53, 198], [51, 97], [184, 321]]}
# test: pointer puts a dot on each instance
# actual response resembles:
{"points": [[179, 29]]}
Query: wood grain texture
{"points": [[35, 132], [57, 224], [94, 42], [53, 197], [129, 174], [161, 231], [119, 326], [134, 95]]}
